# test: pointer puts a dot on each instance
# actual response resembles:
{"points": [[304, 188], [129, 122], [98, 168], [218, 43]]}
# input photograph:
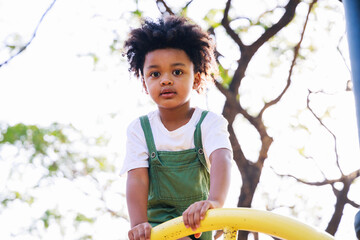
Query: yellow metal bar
{"points": [[230, 233], [242, 219]]}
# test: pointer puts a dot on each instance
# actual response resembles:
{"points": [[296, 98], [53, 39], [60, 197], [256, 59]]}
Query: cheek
{"points": [[150, 88]]}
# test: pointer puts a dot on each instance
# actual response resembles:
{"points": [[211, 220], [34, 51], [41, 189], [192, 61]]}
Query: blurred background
{"points": [[66, 98]]}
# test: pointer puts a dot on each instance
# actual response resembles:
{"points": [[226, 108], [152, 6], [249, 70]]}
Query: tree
{"points": [[345, 180], [41, 162], [254, 90], [231, 84], [19, 48]]}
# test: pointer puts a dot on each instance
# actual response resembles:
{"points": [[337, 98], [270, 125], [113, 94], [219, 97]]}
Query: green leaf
{"points": [[302, 151], [46, 217], [53, 167], [224, 74], [102, 163], [19, 132], [137, 13], [17, 195], [211, 15], [30, 200], [184, 11], [82, 218], [86, 237], [6, 201], [38, 140], [59, 135], [12, 47]]}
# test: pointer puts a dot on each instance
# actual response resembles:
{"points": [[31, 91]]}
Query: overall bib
{"points": [[176, 178]]}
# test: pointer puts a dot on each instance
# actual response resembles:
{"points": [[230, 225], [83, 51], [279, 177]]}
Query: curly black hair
{"points": [[171, 32]]}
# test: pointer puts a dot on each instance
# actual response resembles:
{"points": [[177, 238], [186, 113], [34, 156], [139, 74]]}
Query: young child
{"points": [[178, 158]]}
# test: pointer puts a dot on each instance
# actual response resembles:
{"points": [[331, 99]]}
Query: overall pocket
{"points": [[183, 182]]}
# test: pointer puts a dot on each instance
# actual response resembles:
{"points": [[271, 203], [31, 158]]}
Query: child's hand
{"points": [[196, 212], [141, 231]]}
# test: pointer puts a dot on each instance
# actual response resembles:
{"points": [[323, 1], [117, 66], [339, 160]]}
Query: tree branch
{"points": [[346, 178], [226, 24], [352, 203], [188, 4], [341, 53], [328, 130], [164, 4], [231, 97], [322, 183], [296, 53], [274, 29], [32, 37], [247, 51], [355, 174]]}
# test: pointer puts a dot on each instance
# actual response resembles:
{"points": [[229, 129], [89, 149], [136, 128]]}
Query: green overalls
{"points": [[177, 178]]}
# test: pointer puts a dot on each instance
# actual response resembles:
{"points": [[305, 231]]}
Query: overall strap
{"points": [[198, 141], [145, 124]]}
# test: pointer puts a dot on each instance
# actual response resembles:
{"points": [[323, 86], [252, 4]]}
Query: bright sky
{"points": [[54, 80]]}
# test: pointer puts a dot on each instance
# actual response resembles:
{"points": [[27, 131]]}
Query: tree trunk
{"points": [[341, 200]]}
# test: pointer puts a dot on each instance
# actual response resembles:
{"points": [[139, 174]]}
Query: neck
{"points": [[175, 118]]}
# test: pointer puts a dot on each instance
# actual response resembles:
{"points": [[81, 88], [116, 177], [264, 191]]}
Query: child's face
{"points": [[169, 77]]}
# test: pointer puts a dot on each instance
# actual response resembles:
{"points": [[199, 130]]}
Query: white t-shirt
{"points": [[214, 135]]}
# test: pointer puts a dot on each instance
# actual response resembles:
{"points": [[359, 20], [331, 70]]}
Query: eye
{"points": [[177, 72], [155, 74]]}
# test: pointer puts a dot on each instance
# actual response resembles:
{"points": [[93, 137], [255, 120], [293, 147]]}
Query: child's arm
{"points": [[220, 170], [137, 188]]}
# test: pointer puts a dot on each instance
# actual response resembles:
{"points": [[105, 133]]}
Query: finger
{"points": [[139, 233], [197, 218], [147, 232], [136, 234], [185, 219], [190, 219], [204, 209], [142, 235], [197, 235], [130, 235]]}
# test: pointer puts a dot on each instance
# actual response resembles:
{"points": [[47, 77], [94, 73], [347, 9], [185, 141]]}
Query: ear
{"points": [[197, 81], [144, 86]]}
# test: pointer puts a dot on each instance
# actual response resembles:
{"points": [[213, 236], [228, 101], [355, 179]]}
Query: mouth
{"points": [[167, 92]]}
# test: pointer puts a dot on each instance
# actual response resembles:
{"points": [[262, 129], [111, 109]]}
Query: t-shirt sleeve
{"points": [[215, 135], [136, 149]]}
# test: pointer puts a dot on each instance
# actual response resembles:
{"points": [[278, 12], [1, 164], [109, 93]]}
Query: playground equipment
{"points": [[233, 219], [352, 16], [357, 225]]}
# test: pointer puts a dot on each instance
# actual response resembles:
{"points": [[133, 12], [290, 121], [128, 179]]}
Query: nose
{"points": [[166, 81]]}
